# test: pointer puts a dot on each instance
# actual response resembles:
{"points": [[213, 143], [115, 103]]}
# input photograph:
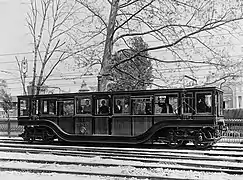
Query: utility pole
{"points": [[24, 70]]}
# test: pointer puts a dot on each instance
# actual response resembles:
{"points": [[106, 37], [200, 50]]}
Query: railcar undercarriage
{"points": [[177, 137], [174, 137], [38, 133]]}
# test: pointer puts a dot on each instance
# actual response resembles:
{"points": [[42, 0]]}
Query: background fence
{"points": [[10, 128], [234, 134]]}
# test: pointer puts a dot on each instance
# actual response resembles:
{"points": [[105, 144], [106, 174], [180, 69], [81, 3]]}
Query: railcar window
{"points": [[187, 103], [219, 103], [204, 102], [103, 106], [66, 108], [121, 105], [24, 107], [142, 105], [166, 104], [49, 106], [83, 105], [35, 108]]}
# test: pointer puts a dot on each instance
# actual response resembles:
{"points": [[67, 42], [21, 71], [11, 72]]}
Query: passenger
{"points": [[140, 107], [202, 106], [103, 109], [118, 107], [166, 107], [126, 106], [87, 107], [148, 108]]}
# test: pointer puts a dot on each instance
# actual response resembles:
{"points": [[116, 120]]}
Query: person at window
{"points": [[87, 107], [166, 107], [118, 107], [126, 106], [148, 108], [52, 108], [139, 107], [103, 109], [202, 106]]}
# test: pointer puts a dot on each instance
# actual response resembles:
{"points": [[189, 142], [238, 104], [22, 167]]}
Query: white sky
{"points": [[15, 41]]}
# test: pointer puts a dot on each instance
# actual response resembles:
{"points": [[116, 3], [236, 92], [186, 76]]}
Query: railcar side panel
{"points": [[163, 118], [141, 124], [121, 126], [101, 125], [83, 125], [67, 124], [51, 118]]}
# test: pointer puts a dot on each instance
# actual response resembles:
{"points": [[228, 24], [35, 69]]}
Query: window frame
{"points": [[151, 97], [76, 99], [58, 107], [175, 110], [115, 97], [192, 101], [27, 107], [219, 104], [196, 102], [108, 103], [48, 107]]}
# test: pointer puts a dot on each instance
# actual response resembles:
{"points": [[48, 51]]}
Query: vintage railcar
{"points": [[172, 116]]}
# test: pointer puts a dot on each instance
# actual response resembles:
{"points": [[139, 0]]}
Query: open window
{"points": [[35, 106], [83, 105], [24, 107], [65, 108], [141, 105], [219, 103], [102, 106], [48, 107], [121, 105], [166, 104], [204, 102]]}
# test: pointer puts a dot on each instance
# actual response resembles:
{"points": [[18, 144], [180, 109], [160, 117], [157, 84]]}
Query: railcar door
{"points": [[121, 119], [102, 118], [65, 115]]}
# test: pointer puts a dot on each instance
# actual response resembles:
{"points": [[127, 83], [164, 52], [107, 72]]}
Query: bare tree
{"points": [[6, 102], [49, 23], [192, 35]]}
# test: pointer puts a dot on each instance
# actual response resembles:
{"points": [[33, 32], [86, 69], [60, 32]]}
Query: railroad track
{"points": [[217, 147], [163, 157], [171, 159], [38, 168]]}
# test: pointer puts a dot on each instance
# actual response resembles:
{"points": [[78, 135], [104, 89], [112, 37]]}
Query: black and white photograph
{"points": [[121, 89]]}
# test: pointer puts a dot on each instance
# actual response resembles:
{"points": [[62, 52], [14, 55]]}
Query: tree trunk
{"points": [[105, 66]]}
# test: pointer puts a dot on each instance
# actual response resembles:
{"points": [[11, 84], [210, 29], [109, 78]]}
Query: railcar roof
{"points": [[137, 92]]}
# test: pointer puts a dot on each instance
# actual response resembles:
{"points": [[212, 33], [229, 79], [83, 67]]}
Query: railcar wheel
{"points": [[48, 136], [199, 140], [173, 142], [27, 135]]}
